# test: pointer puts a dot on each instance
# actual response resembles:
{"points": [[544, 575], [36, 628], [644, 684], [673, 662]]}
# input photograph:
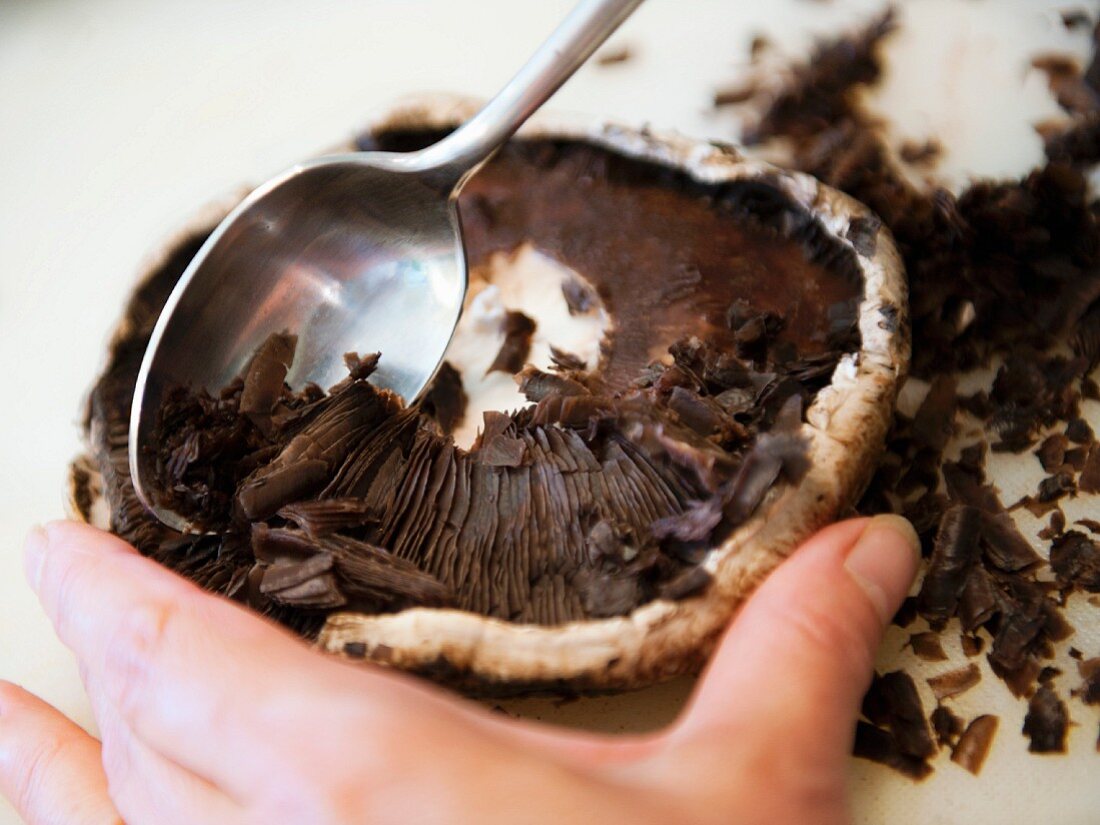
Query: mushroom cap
{"points": [[846, 427]]}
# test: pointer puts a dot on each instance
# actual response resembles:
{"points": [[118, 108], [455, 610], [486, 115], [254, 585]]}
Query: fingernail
{"points": [[34, 553], [884, 561]]}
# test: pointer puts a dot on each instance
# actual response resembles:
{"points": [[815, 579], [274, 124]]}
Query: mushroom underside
{"points": [[600, 536]]}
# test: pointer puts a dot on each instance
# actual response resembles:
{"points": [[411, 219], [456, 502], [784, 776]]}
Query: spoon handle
{"points": [[458, 155]]}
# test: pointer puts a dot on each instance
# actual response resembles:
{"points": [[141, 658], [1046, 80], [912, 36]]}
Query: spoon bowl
{"points": [[308, 254], [352, 253]]}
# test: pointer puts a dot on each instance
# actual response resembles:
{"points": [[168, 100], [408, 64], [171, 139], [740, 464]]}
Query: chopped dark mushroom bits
{"points": [[1004, 274]]}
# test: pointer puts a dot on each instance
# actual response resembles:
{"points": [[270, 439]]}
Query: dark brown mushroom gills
{"points": [[730, 307]]}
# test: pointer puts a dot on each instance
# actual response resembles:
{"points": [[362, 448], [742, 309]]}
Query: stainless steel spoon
{"points": [[358, 252]]}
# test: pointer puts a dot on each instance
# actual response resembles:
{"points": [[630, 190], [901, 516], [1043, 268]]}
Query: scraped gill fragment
{"points": [[946, 726], [896, 732], [1046, 722], [331, 515], [263, 380], [1075, 559], [955, 552], [1089, 690], [928, 647], [352, 572], [953, 682], [518, 329], [445, 400], [974, 744], [877, 745]]}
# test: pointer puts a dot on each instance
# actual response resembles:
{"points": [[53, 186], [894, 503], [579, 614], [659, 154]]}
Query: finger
{"points": [[184, 669], [200, 680], [792, 670], [50, 769], [717, 696], [592, 749], [147, 787]]}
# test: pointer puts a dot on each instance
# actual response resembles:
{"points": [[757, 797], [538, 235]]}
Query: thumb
{"points": [[793, 667]]}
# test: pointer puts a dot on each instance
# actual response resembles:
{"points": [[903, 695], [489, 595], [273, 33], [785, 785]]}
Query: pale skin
{"points": [[207, 713]]}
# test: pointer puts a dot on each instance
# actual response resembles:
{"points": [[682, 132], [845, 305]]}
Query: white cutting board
{"points": [[118, 118]]}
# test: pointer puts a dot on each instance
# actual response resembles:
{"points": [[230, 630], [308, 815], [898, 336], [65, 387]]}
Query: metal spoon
{"points": [[358, 252]]}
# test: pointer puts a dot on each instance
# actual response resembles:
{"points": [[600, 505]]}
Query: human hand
{"points": [[210, 714]]}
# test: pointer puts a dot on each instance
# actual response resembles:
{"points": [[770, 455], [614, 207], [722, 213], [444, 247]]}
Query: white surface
{"points": [[523, 281], [118, 119]]}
